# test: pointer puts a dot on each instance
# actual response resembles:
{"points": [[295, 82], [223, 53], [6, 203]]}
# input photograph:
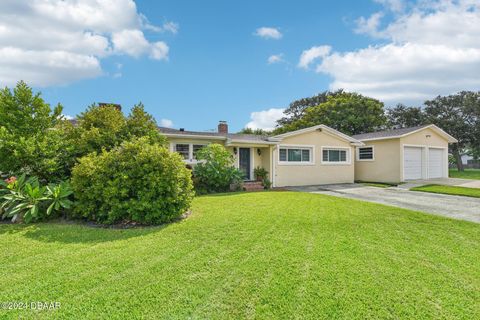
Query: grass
{"points": [[467, 174], [268, 255], [451, 190]]}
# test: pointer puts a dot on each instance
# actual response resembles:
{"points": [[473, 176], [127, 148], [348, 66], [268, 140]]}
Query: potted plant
{"points": [[260, 173]]}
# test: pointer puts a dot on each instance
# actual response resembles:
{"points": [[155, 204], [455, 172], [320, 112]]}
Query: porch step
{"points": [[252, 185]]}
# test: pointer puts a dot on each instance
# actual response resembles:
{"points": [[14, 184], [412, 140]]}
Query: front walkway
{"points": [[457, 207]]}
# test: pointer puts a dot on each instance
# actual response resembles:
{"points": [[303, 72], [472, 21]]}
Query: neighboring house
{"points": [[403, 154], [315, 155]]}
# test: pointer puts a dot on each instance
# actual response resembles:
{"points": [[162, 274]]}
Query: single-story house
{"points": [[321, 155], [403, 154], [315, 155]]}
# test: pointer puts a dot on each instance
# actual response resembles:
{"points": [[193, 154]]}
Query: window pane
{"points": [[365, 153], [294, 155], [183, 150], [343, 155], [305, 155], [325, 155], [196, 148], [333, 155], [283, 154]]}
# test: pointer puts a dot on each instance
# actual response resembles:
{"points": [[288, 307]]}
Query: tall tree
{"points": [[457, 114], [296, 109], [402, 116], [350, 113], [31, 141]]}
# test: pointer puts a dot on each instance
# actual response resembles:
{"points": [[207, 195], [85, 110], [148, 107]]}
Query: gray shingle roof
{"points": [[235, 136], [387, 133]]}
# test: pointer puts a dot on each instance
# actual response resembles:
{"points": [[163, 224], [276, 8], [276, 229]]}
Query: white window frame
{"points": [[337, 163], [366, 146], [310, 148], [190, 160]]}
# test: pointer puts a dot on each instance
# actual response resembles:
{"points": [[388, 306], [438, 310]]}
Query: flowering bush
{"points": [[215, 172], [25, 199]]}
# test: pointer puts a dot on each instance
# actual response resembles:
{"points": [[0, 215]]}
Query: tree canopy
{"points": [[350, 113], [402, 116]]}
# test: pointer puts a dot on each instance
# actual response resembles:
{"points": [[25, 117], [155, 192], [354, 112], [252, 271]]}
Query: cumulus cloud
{"points": [[268, 33], [265, 119], [275, 58], [312, 54], [167, 123], [57, 42], [430, 49]]}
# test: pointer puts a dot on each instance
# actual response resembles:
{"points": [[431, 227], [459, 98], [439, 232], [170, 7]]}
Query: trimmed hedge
{"points": [[136, 181]]}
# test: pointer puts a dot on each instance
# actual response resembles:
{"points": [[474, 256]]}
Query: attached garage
{"points": [[403, 154]]}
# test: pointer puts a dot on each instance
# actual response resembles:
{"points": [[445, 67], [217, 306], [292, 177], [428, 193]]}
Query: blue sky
{"points": [[217, 68]]}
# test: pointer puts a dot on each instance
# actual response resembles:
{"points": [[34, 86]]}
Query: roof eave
{"points": [[176, 135]]}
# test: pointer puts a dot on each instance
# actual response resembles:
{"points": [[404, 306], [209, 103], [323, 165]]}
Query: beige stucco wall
{"points": [[386, 164], [316, 173]]}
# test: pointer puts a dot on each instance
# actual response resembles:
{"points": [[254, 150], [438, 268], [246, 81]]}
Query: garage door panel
{"points": [[412, 163], [435, 163]]}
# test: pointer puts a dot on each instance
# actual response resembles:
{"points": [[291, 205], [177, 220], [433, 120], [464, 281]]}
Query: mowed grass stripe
{"points": [[252, 255]]}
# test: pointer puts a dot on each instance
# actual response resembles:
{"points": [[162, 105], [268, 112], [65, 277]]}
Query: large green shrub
{"points": [[215, 172], [105, 127], [136, 181]]}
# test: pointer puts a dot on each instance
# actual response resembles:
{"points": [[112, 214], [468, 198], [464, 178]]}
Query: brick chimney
{"points": [[223, 127]]}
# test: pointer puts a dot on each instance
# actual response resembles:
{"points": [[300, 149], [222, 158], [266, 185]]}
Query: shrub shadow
{"points": [[77, 232]]}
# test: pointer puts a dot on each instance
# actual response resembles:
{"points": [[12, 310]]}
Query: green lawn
{"points": [[251, 255], [456, 191], [467, 174]]}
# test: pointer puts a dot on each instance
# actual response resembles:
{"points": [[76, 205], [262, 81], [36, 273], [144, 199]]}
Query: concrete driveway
{"points": [[463, 208], [469, 183]]}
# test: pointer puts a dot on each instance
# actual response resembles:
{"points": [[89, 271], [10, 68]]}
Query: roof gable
{"points": [[403, 132], [322, 128]]}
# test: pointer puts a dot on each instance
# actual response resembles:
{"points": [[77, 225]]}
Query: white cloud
{"points": [[57, 42], [265, 119], [310, 55], [370, 25], [275, 58], [167, 123], [431, 49], [268, 33]]}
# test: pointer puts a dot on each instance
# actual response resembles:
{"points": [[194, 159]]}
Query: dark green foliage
{"points": [[459, 115], [28, 200], [402, 116], [215, 172], [258, 132], [31, 141], [296, 109], [349, 113], [136, 181]]}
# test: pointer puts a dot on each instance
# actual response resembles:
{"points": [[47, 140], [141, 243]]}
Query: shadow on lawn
{"points": [[67, 232]]}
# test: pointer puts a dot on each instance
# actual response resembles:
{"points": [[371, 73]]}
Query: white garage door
{"points": [[412, 163], [435, 163]]}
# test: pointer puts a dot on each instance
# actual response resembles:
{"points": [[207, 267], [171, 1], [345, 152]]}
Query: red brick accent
{"points": [[253, 185], [223, 127]]}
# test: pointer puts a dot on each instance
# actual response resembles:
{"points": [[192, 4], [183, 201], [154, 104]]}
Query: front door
{"points": [[244, 162]]}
